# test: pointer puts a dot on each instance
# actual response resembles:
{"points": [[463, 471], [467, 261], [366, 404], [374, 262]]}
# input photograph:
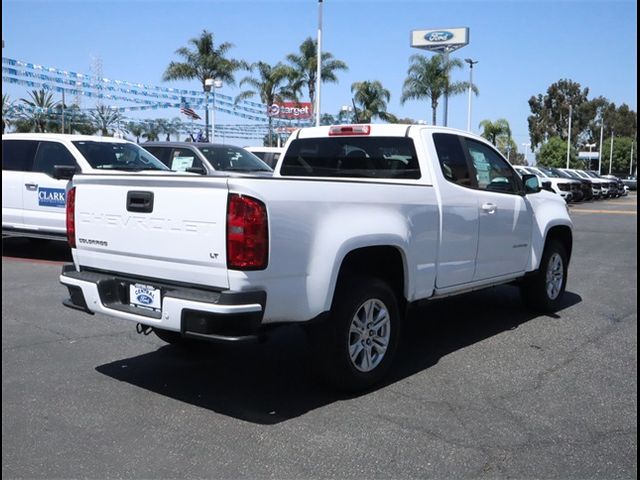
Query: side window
{"points": [[161, 153], [453, 161], [50, 154], [183, 158], [492, 171], [17, 155]]}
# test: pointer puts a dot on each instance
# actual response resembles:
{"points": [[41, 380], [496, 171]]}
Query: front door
{"points": [[506, 217]]}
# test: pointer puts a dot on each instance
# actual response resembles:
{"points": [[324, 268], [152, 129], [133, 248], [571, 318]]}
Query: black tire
{"points": [[536, 290], [331, 339]]}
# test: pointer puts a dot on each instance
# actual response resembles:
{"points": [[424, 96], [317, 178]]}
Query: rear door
{"points": [[44, 196], [459, 211], [17, 158]]}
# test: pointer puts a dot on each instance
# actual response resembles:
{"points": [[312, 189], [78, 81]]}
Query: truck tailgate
{"points": [[170, 228]]}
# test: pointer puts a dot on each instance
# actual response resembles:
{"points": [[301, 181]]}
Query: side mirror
{"points": [[64, 172], [531, 183], [198, 170]]}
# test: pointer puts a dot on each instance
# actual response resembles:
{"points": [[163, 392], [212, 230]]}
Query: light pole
{"points": [[319, 64], [346, 110], [216, 84], [471, 64], [611, 152], [208, 83], [569, 135], [526, 151], [590, 145]]}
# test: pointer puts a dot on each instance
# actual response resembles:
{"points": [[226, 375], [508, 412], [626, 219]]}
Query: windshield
{"points": [[581, 174], [562, 173], [537, 172], [550, 173], [593, 175], [233, 159], [118, 156]]}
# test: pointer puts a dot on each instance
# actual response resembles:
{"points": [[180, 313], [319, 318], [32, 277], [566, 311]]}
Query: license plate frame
{"points": [[145, 296]]}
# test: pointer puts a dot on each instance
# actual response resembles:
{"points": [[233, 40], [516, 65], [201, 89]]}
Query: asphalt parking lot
{"points": [[482, 387]]}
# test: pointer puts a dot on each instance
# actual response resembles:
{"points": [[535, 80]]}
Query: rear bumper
{"points": [[192, 311]]}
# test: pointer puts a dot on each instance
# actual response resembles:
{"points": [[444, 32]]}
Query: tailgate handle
{"points": [[140, 202]]}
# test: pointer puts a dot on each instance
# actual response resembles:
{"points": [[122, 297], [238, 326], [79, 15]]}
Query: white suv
{"points": [[33, 199]]}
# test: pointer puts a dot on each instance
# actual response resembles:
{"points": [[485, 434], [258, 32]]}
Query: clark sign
{"points": [[291, 110]]}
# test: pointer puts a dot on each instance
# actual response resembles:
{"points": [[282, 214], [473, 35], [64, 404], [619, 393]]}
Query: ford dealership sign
{"points": [[441, 36], [440, 39]]}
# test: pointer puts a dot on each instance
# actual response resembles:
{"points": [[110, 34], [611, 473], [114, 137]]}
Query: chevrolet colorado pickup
{"points": [[357, 224]]}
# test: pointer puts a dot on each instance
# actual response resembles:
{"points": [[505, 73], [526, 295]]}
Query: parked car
{"points": [[631, 182], [612, 186], [620, 186], [33, 194], [205, 158], [561, 186], [357, 224], [269, 155], [575, 185], [596, 184], [544, 182], [585, 184]]}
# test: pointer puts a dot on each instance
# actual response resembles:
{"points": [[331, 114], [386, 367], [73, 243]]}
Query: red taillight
{"points": [[71, 217], [247, 233], [338, 130]]}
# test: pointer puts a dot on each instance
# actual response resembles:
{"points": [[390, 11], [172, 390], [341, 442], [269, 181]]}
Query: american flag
{"points": [[190, 113]]}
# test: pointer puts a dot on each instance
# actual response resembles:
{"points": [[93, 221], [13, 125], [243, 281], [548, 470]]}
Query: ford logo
{"points": [[145, 299], [440, 36]]}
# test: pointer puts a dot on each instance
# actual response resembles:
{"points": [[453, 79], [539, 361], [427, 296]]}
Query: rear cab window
{"points": [[352, 157], [118, 156]]}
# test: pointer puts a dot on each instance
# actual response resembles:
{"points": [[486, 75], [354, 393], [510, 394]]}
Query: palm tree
{"points": [[494, 131], [204, 61], [40, 105], [430, 78], [7, 108], [106, 119], [424, 80], [454, 88], [305, 67], [269, 85], [151, 130], [136, 129], [372, 99]]}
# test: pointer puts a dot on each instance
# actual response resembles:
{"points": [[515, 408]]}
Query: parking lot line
{"points": [[32, 260]]}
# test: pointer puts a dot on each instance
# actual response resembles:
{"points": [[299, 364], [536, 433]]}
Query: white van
{"points": [[33, 199]]}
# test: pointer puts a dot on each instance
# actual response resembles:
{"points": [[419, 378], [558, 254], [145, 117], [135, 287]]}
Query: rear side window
{"points": [[354, 157], [183, 158], [161, 153], [49, 155], [453, 160], [17, 155]]}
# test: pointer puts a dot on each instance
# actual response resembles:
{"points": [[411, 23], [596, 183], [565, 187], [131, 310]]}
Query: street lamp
{"points": [[346, 110], [526, 151], [209, 85], [590, 145], [471, 64]]}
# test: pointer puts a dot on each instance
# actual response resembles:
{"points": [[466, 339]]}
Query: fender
{"points": [[549, 211]]}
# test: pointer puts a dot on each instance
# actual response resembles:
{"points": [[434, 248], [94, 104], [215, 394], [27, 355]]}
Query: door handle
{"points": [[31, 186], [489, 208]]}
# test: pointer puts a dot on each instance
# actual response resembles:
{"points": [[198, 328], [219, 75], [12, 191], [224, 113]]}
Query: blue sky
{"points": [[522, 47]]}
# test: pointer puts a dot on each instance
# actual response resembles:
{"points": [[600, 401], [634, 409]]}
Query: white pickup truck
{"points": [[358, 223]]}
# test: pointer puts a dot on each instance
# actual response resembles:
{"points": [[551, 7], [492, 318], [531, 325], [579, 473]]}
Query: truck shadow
{"points": [[34, 249], [273, 382]]}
